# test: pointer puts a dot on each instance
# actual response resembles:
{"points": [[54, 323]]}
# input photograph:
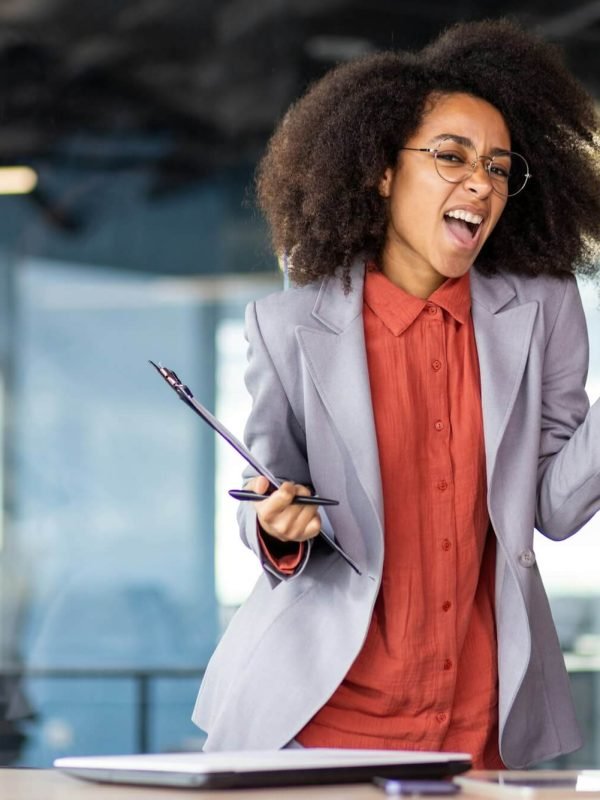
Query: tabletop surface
{"points": [[48, 784]]}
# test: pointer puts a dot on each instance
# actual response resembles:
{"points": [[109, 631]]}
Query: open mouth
{"points": [[463, 224]]}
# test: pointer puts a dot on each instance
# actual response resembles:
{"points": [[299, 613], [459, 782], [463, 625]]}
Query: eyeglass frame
{"points": [[487, 167]]}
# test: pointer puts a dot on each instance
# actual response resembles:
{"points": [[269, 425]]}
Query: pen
{"points": [[300, 499]]}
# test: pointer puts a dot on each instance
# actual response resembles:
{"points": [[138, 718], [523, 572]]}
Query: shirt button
{"points": [[442, 485], [447, 664], [436, 364], [438, 425], [441, 717], [446, 606], [431, 310], [446, 544]]}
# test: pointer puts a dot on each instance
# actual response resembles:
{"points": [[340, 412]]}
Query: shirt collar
{"points": [[454, 296], [398, 310]]}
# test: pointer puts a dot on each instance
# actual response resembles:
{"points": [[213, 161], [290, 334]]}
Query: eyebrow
{"points": [[465, 142]]}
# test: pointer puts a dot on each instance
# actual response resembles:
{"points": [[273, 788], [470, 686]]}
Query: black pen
{"points": [[300, 499]]}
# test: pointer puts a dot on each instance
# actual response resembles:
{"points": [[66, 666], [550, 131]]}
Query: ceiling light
{"points": [[17, 180]]}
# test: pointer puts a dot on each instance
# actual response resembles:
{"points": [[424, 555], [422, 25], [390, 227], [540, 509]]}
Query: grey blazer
{"points": [[293, 641]]}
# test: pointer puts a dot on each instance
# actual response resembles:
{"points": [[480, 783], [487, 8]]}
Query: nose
{"points": [[479, 181]]}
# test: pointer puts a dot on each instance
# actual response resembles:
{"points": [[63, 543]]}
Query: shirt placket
{"points": [[443, 528]]}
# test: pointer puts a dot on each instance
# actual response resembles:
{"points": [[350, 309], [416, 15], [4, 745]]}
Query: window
{"points": [[570, 568]]}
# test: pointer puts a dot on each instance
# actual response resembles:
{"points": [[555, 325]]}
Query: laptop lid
{"points": [[244, 769]]}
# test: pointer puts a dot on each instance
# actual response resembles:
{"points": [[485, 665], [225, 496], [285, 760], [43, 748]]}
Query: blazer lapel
{"points": [[503, 337], [336, 359]]}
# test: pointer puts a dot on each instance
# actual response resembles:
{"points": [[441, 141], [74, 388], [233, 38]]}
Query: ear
{"points": [[385, 184]]}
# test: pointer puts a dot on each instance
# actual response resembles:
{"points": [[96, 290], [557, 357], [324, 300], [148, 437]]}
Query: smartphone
{"points": [[415, 788]]}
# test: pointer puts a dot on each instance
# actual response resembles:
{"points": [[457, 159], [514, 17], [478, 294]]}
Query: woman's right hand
{"points": [[280, 517]]}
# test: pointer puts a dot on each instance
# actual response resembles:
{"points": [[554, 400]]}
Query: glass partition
{"points": [[110, 544], [111, 600]]}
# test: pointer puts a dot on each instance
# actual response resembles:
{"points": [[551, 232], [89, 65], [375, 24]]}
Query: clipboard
{"points": [[184, 393]]}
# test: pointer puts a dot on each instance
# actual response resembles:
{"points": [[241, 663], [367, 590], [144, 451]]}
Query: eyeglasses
{"points": [[455, 161]]}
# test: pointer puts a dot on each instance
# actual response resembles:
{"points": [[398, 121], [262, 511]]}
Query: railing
{"points": [[581, 668], [142, 679]]}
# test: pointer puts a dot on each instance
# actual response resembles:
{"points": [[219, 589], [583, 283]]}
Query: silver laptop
{"points": [[243, 769]]}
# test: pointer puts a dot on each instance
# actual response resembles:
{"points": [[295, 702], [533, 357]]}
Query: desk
{"points": [[45, 784]]}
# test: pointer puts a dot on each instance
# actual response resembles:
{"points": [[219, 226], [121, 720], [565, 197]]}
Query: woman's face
{"points": [[424, 245]]}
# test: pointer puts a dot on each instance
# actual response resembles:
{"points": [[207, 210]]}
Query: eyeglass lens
{"points": [[454, 162]]}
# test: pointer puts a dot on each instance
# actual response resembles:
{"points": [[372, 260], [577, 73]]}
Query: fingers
{"points": [[258, 484], [279, 517]]}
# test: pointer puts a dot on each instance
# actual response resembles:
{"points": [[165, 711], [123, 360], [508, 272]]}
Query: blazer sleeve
{"points": [[274, 436], [569, 466]]}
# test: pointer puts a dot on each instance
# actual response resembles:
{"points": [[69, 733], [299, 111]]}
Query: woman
{"points": [[427, 371]]}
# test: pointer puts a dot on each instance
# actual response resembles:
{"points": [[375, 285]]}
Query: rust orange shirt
{"points": [[426, 677]]}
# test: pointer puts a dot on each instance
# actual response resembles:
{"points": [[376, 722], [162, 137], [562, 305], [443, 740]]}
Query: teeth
{"points": [[466, 216]]}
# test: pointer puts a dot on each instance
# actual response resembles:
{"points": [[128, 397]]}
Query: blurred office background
{"points": [[132, 236]]}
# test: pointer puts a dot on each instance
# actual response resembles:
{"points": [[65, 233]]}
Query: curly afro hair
{"points": [[318, 181]]}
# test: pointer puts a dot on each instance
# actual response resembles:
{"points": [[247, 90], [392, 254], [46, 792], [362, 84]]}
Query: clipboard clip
{"points": [[173, 380]]}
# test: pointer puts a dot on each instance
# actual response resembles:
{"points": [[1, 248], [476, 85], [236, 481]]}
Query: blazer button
{"points": [[527, 558]]}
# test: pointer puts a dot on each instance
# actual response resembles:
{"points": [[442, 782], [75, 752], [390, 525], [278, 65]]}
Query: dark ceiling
{"points": [[207, 79]]}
